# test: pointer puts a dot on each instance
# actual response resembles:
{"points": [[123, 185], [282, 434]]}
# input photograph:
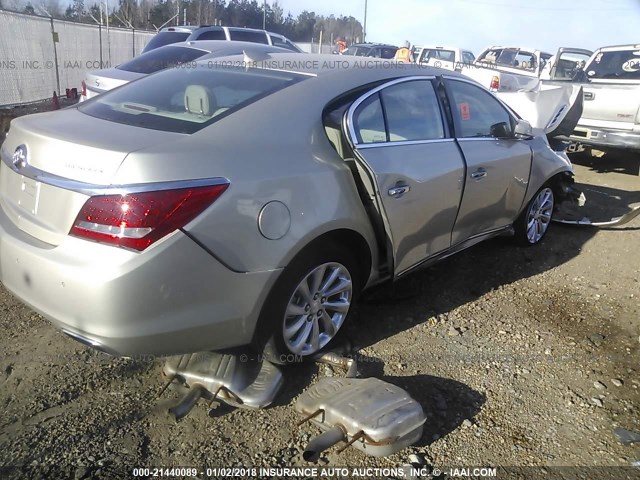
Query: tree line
{"points": [[152, 14]]}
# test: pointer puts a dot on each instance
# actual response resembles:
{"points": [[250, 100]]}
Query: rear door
{"points": [[401, 142], [498, 164]]}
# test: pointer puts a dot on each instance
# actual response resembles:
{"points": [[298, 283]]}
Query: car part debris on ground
{"points": [[237, 380], [374, 416]]}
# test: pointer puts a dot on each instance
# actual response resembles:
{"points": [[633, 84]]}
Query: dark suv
{"points": [[169, 35], [377, 50]]}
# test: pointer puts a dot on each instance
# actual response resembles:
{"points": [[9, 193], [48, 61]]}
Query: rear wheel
{"points": [[309, 304], [533, 223]]}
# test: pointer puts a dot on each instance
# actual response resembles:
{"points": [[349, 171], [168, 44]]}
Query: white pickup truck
{"points": [[514, 75], [611, 83], [450, 58]]}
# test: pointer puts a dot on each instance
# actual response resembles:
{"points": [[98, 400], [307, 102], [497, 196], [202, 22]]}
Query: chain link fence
{"points": [[40, 55]]}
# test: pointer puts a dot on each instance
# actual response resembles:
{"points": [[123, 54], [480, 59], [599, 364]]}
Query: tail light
{"points": [[495, 83], [136, 220], [83, 92]]}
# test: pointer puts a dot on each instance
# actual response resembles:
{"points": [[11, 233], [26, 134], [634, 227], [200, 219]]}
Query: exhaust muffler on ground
{"points": [[374, 416], [236, 380]]}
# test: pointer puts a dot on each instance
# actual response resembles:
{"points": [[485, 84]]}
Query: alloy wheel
{"points": [[317, 309]]}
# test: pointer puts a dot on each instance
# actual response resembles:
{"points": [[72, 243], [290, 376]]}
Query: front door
{"points": [[498, 164]]}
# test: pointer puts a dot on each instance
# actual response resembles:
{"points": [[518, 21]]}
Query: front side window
{"points": [[467, 57], [477, 113], [161, 58], [185, 100]]}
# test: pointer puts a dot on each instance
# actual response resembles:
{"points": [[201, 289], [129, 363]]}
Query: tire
{"points": [[533, 223], [308, 305]]}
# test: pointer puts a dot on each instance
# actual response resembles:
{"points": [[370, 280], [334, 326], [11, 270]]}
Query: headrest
{"points": [[196, 100]]}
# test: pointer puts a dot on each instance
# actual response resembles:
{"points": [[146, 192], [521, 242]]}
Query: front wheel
{"points": [[533, 223], [309, 304]]}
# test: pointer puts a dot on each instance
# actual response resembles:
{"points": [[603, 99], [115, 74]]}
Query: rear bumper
{"points": [[172, 298], [601, 137]]}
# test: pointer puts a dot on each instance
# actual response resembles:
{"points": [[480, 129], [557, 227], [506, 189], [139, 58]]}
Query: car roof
{"points": [[372, 45], [628, 46], [527, 49], [444, 47], [216, 45], [180, 28], [326, 65]]}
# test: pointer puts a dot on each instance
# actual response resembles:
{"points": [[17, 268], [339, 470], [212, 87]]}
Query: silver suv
{"points": [[184, 33], [244, 35]]}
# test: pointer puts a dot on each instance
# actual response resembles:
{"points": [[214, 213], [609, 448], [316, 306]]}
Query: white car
{"points": [[450, 58], [513, 74]]}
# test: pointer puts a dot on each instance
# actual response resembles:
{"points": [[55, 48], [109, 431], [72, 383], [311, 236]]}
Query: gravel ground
{"points": [[519, 357]]}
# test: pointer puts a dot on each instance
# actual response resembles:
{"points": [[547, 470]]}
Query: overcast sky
{"points": [[476, 24]]}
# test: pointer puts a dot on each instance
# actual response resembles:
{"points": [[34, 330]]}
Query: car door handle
{"points": [[478, 174], [398, 190]]}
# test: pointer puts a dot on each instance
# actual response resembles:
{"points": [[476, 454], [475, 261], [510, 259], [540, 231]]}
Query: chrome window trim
{"points": [[365, 146], [91, 189], [370, 93], [482, 139]]}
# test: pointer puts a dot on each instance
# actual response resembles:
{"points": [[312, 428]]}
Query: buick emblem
{"points": [[20, 157]]}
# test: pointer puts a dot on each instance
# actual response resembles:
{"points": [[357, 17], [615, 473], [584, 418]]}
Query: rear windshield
{"points": [[161, 58], [512, 57], [185, 100], [165, 38], [623, 65]]}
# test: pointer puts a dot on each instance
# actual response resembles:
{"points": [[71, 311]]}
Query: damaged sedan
{"points": [[249, 204]]}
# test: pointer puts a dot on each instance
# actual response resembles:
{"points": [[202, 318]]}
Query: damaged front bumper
{"points": [[571, 196]]}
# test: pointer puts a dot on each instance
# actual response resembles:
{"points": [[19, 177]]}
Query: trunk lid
{"points": [[62, 151], [100, 81]]}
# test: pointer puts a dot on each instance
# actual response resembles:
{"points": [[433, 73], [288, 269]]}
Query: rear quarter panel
{"points": [[273, 150]]}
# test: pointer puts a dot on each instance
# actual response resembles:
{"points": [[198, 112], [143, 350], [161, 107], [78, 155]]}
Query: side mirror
{"points": [[500, 130], [523, 130]]}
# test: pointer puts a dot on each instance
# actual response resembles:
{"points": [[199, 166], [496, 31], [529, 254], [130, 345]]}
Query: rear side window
{"points": [[407, 111], [248, 36], [477, 113], [211, 35], [467, 57], [185, 100], [165, 38], [620, 65], [368, 121], [161, 58], [412, 111]]}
